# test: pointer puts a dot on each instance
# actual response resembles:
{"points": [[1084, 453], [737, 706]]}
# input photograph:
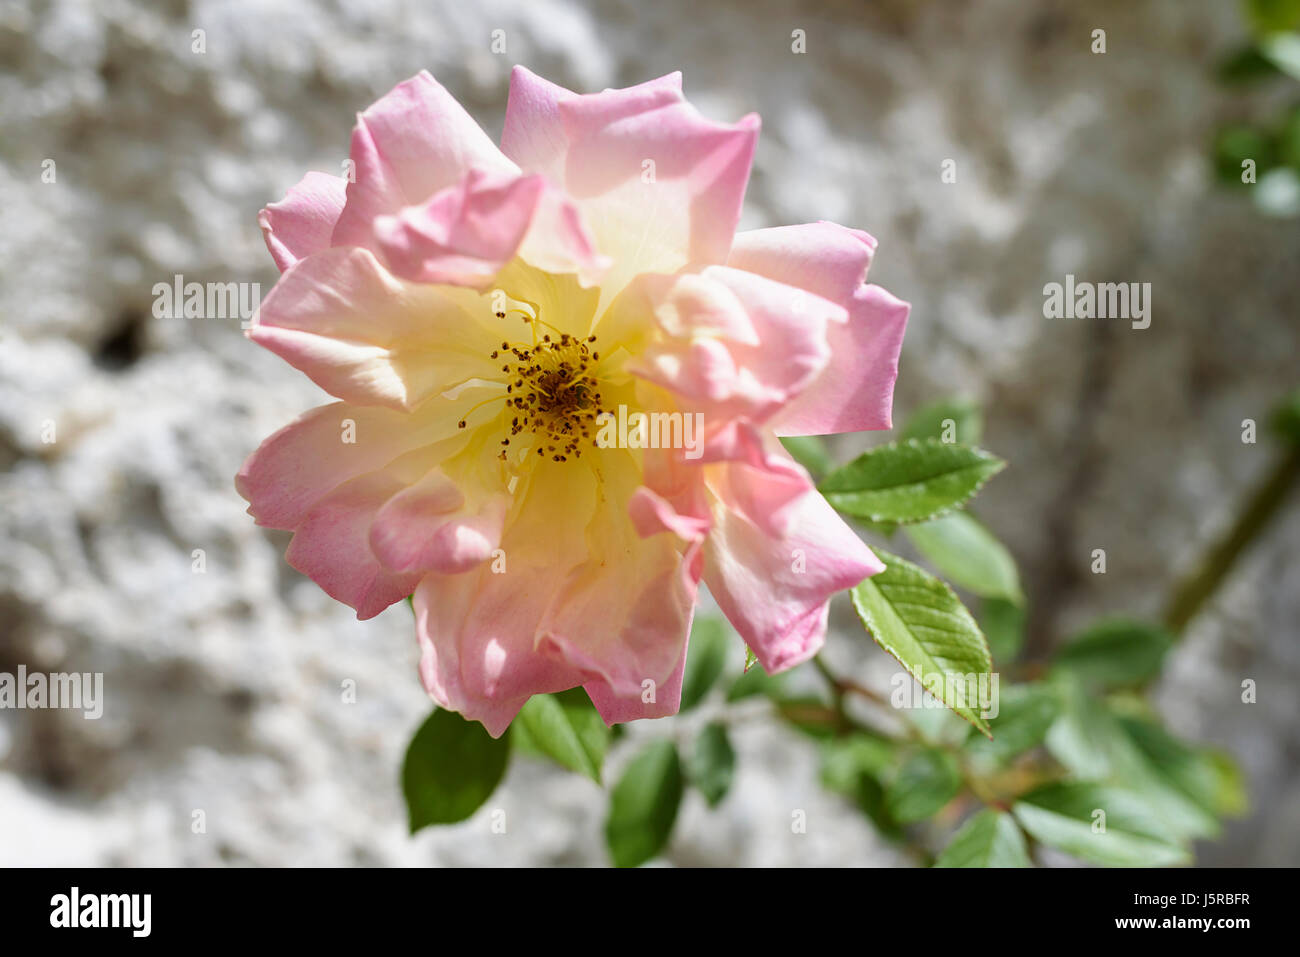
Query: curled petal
{"points": [[618, 708], [558, 240], [855, 391], [762, 482], [623, 615], [465, 234], [478, 630], [369, 337], [651, 514], [627, 623], [660, 188], [826, 259], [331, 545], [534, 134], [706, 357], [299, 465], [411, 143], [775, 590], [673, 499], [477, 652], [302, 222], [430, 527]]}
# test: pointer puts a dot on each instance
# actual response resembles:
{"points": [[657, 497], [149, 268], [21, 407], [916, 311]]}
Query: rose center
{"points": [[552, 394]]}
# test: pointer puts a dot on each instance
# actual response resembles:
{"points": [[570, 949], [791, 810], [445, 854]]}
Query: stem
{"points": [[837, 688], [841, 686], [1194, 590]]}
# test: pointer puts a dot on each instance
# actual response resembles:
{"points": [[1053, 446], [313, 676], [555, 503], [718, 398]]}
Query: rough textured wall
{"points": [[223, 688]]}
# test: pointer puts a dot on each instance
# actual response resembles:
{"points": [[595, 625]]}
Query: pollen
{"points": [[552, 391], [560, 398]]}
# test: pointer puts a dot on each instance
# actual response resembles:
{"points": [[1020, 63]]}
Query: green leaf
{"points": [[1234, 144], [1004, 627], [909, 482], [566, 728], [1115, 653], [925, 783], [1089, 740], [706, 656], [811, 716], [1064, 816], [756, 681], [883, 529], [1245, 65], [857, 766], [845, 758], [935, 723], [968, 555], [952, 420], [810, 452], [1083, 736], [713, 763], [1207, 777], [917, 619], [989, 839], [521, 742], [1229, 798], [1267, 16], [1025, 713], [643, 805], [1283, 51], [1286, 418], [1288, 140], [452, 766]]}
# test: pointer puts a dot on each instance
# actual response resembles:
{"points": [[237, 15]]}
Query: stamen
{"points": [[550, 384]]}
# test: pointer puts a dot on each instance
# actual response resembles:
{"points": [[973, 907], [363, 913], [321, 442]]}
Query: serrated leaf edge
{"points": [[871, 627], [996, 462]]}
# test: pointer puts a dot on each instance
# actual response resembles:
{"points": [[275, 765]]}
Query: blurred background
{"points": [[222, 688]]}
